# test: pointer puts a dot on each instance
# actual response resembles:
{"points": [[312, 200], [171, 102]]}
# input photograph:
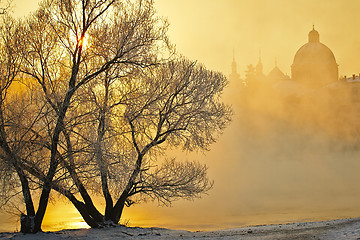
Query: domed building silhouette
{"points": [[314, 64]]}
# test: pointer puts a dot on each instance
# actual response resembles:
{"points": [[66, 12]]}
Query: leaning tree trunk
{"points": [[120, 204], [70, 166], [83, 210]]}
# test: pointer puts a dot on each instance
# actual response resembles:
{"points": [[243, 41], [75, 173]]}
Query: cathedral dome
{"points": [[314, 52], [314, 63]]}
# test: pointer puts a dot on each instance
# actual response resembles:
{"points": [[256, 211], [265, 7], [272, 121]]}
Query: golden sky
{"points": [[208, 31]]}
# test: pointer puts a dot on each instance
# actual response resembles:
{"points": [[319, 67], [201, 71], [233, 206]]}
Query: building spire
{"points": [[234, 75], [259, 66], [234, 65]]}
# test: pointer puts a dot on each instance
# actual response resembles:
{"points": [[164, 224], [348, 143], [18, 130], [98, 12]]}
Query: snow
{"points": [[336, 229]]}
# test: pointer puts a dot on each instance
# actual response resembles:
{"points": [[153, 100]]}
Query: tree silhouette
{"points": [[105, 96]]}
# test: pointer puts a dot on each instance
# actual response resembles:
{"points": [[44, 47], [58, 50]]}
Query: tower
{"points": [[234, 76]]}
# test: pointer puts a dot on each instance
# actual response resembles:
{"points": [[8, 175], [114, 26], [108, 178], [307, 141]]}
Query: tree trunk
{"points": [[82, 190], [82, 209], [27, 221], [103, 167], [96, 215], [118, 208], [44, 198], [100, 154], [54, 162]]}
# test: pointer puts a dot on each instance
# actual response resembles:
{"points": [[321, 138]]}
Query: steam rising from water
{"points": [[283, 159]]}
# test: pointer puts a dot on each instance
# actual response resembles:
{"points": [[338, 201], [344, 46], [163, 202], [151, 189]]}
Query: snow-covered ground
{"points": [[336, 229]]}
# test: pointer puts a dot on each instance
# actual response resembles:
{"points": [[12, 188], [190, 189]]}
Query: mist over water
{"points": [[279, 161]]}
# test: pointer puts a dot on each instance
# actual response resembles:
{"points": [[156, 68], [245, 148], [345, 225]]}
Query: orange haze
{"points": [[264, 170]]}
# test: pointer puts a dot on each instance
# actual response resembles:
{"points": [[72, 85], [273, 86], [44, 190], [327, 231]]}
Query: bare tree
{"points": [[104, 106], [130, 121], [10, 63], [17, 117], [135, 120], [178, 104], [69, 43]]}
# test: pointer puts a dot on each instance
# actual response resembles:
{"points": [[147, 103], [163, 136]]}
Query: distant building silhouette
{"points": [[314, 64], [255, 75], [234, 74], [259, 70], [250, 75], [276, 75]]}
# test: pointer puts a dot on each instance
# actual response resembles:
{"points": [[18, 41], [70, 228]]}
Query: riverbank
{"points": [[336, 229]]}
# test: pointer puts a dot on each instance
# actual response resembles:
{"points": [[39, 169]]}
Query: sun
{"points": [[79, 41], [83, 41]]}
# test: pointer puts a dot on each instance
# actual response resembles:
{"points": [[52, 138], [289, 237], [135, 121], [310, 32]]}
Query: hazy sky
{"points": [[264, 182], [209, 30]]}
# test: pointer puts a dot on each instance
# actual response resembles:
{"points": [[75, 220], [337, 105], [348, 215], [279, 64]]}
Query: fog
{"points": [[278, 162], [271, 165], [281, 160]]}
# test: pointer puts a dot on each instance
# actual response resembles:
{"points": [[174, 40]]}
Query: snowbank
{"points": [[336, 229]]}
